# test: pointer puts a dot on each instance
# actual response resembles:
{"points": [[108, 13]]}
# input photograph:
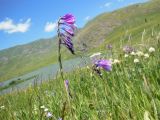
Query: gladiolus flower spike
{"points": [[66, 30]]}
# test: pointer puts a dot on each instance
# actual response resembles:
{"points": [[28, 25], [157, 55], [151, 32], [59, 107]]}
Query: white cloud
{"points": [[87, 18], [10, 27], [50, 26], [107, 4]]}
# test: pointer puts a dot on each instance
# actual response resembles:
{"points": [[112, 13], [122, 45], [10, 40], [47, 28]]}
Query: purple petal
{"points": [[70, 47], [68, 43], [105, 64], [66, 39], [72, 26], [69, 31], [66, 82], [68, 18]]}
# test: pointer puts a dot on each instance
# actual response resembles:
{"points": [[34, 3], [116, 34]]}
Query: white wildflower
{"points": [[35, 108], [136, 60], [49, 115], [146, 115], [151, 49], [15, 113], [133, 53], [46, 109], [88, 67], [116, 61], [139, 53], [146, 55], [2, 107], [42, 107], [59, 118], [126, 55]]}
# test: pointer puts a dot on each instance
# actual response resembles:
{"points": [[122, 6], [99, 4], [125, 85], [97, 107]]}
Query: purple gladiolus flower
{"points": [[66, 29], [66, 83], [105, 64]]}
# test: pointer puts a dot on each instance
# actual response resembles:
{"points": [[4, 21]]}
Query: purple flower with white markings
{"points": [[105, 64], [66, 30], [49, 115]]}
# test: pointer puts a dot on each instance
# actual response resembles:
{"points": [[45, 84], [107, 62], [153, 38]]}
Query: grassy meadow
{"points": [[130, 91]]}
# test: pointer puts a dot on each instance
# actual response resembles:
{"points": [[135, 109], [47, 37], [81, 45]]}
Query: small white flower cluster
{"points": [[140, 53], [35, 109], [146, 55], [47, 113], [2, 107], [133, 53], [42, 107], [151, 49], [136, 60], [126, 55], [146, 115], [115, 61]]}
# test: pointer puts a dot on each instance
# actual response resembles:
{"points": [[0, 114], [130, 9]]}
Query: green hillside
{"points": [[108, 28], [119, 25], [24, 58]]}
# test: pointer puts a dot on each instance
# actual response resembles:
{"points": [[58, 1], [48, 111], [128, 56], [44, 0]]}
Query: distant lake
{"points": [[43, 74]]}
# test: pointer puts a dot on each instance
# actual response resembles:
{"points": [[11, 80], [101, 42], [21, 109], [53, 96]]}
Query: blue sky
{"points": [[23, 21]]}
